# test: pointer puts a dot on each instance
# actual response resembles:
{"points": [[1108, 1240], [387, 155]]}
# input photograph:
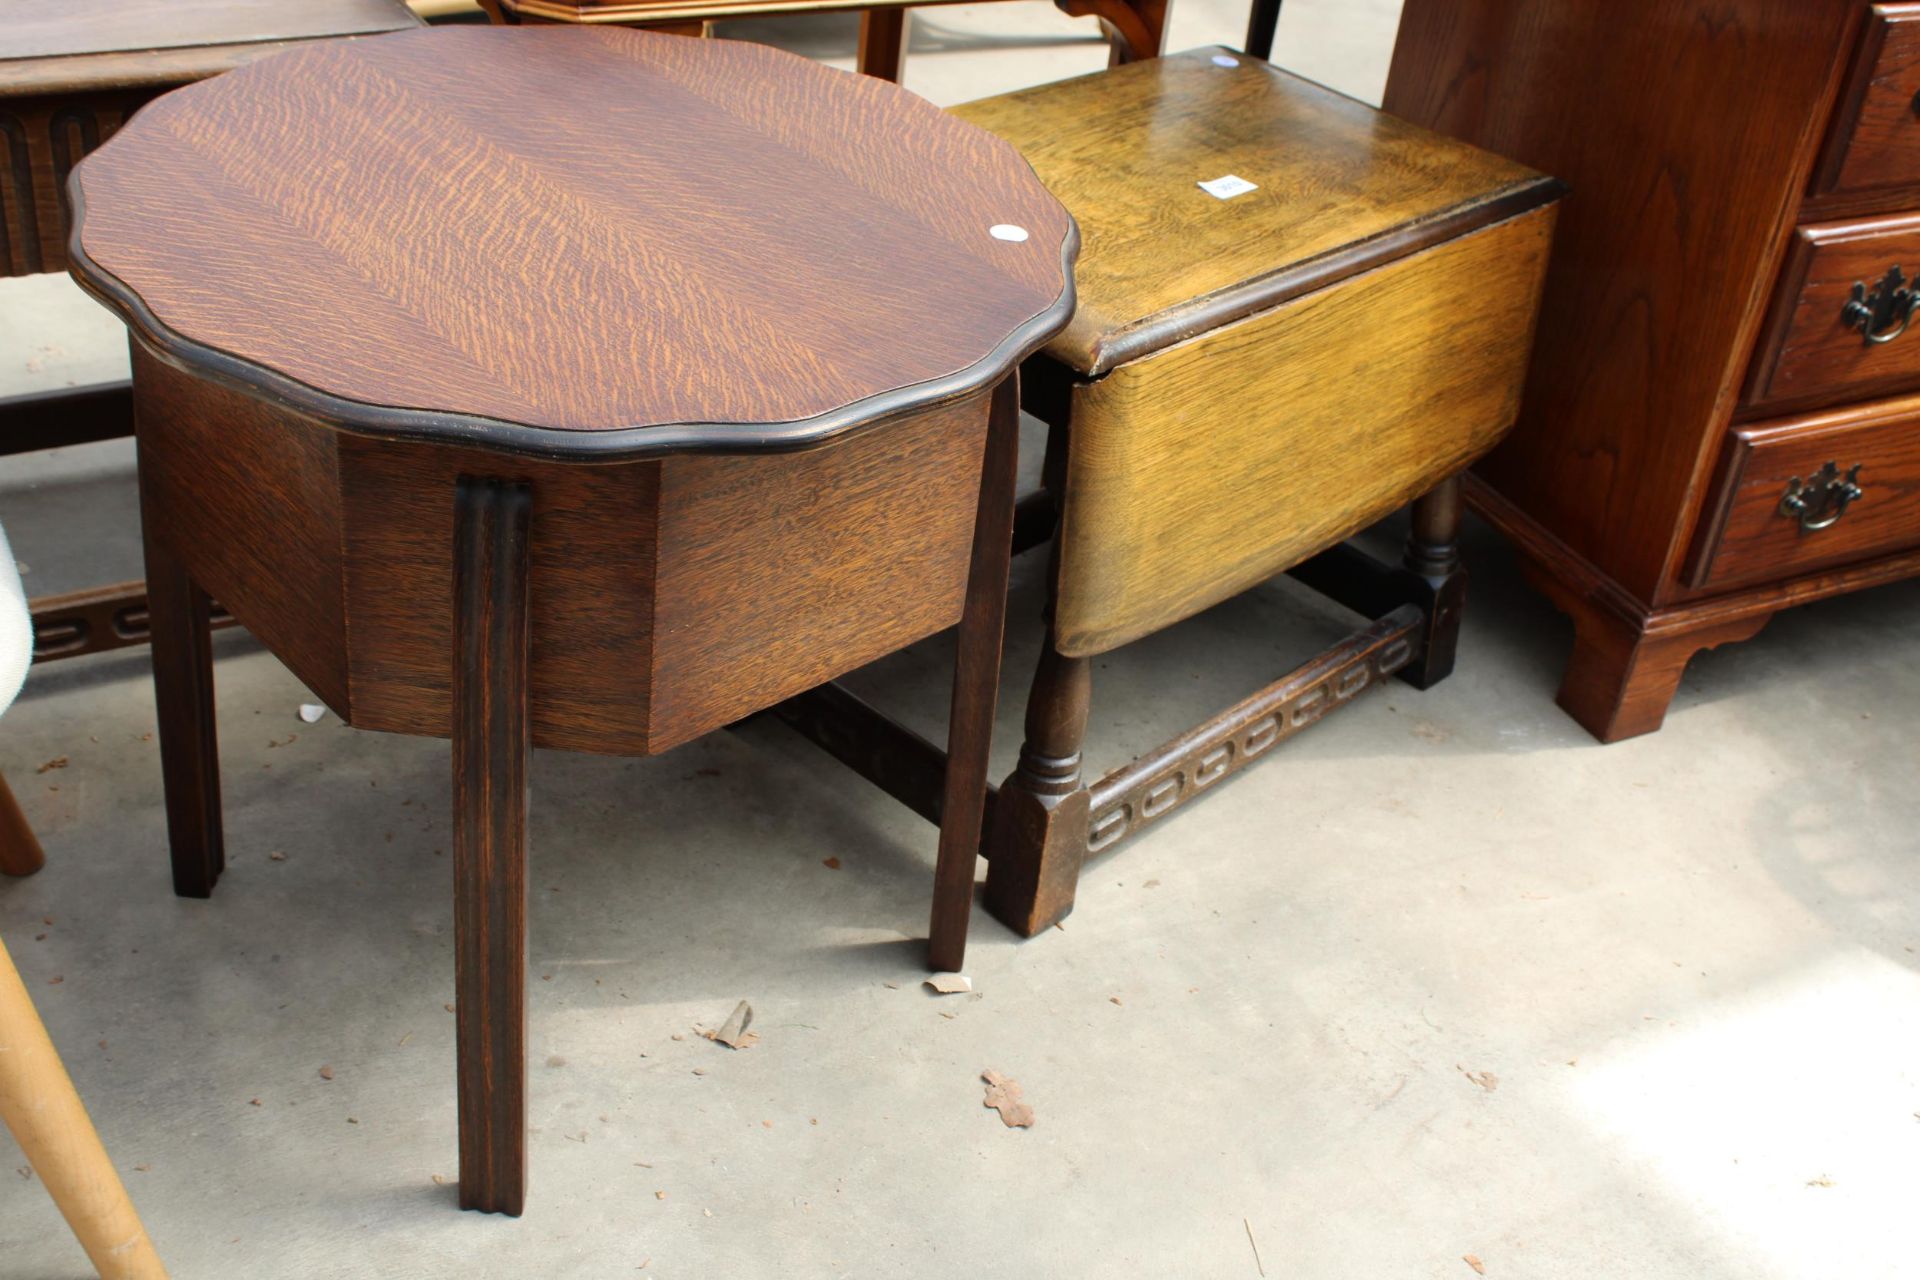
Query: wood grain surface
{"points": [[665, 243], [767, 575], [1748, 539], [56, 107], [1876, 134], [492, 635], [976, 685], [1201, 470], [1807, 355], [1686, 130], [1628, 658], [252, 502], [1341, 188], [32, 30]]}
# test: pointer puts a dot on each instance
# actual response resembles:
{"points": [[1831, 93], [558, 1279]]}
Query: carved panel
{"points": [[1130, 798], [43, 139]]}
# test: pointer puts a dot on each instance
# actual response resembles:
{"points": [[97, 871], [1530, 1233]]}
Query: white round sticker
{"points": [[1007, 231], [1222, 60]]}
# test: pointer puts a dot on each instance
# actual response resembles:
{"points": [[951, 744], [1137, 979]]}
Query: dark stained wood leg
{"points": [[1039, 835], [883, 44], [976, 684], [20, 852], [55, 419], [179, 616], [1433, 556], [1262, 21], [492, 637], [1134, 28], [1623, 673]]}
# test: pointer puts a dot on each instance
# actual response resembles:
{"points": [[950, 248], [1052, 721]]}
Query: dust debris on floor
{"points": [[1003, 1095], [733, 1032]]}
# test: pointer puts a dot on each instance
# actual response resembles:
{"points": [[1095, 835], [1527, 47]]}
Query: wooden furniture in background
{"points": [[1135, 28], [70, 75], [1263, 19], [560, 444], [1247, 382], [1739, 169]]}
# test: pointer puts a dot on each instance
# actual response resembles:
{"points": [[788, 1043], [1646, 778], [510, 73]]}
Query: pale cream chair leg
{"points": [[20, 853], [38, 1102]]}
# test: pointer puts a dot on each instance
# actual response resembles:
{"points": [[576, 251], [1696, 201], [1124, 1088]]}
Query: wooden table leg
{"points": [[180, 617], [492, 638], [976, 684], [1262, 20], [1433, 555], [883, 44], [1039, 836], [48, 1120], [20, 853], [1134, 28]]}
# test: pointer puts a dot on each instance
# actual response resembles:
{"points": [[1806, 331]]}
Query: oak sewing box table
{"points": [[492, 431]]}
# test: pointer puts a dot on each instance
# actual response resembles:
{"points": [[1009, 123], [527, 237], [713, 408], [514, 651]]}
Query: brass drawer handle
{"points": [[1884, 314], [1821, 501]]}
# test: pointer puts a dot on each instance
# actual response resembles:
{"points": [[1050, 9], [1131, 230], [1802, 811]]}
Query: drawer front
{"points": [[1876, 136], [1839, 326], [1810, 492]]}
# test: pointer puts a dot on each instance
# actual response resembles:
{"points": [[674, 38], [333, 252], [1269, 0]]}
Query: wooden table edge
{"points": [[1148, 334], [690, 10], [608, 444], [144, 68]]}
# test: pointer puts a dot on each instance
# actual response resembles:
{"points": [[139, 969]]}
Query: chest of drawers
{"points": [[1722, 417]]}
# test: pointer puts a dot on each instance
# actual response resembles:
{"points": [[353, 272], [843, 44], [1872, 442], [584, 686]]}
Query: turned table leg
{"points": [[180, 616], [492, 638], [20, 853], [1433, 556], [48, 1120], [976, 684], [1040, 813]]}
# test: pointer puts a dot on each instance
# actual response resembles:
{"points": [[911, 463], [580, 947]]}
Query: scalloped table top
{"points": [[572, 240]]}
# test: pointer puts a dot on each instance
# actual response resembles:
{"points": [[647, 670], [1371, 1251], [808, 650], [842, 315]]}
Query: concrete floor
{"points": [[1444, 978]]}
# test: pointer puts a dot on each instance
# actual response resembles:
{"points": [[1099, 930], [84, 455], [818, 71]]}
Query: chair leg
{"points": [[1040, 814], [1433, 556], [492, 639], [1263, 18], [976, 684], [180, 615], [48, 1120], [20, 853]]}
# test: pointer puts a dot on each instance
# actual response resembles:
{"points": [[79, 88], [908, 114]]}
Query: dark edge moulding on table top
{"points": [[617, 444], [1153, 333]]}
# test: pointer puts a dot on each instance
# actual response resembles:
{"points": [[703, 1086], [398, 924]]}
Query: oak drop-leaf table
{"points": [[588, 389]]}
